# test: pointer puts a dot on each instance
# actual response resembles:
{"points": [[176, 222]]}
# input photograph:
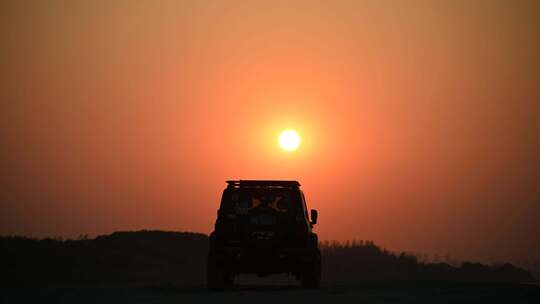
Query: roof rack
{"points": [[262, 184]]}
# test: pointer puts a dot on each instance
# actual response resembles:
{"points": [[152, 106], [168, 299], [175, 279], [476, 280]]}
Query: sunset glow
{"points": [[412, 125]]}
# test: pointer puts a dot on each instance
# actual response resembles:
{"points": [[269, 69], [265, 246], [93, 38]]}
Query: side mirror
{"points": [[314, 216]]}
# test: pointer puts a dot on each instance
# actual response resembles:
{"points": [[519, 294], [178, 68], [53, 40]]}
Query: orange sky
{"points": [[419, 120]]}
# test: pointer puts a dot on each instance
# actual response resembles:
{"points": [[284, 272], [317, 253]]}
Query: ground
{"points": [[365, 292]]}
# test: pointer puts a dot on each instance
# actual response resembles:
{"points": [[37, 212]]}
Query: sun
{"points": [[289, 140]]}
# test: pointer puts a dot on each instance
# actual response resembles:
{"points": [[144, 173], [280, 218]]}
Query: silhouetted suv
{"points": [[263, 228]]}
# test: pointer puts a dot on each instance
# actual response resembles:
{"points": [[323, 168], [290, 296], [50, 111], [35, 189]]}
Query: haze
{"points": [[419, 120]]}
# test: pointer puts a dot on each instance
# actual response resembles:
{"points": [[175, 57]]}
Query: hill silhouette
{"points": [[179, 258], [367, 261], [122, 258]]}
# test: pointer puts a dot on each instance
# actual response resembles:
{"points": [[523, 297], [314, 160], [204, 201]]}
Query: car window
{"points": [[280, 201]]}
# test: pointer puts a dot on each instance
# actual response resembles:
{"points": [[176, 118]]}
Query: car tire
{"points": [[217, 277], [311, 277]]}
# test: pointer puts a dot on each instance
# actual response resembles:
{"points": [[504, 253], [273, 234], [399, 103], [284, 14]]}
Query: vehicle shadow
{"points": [[266, 287]]}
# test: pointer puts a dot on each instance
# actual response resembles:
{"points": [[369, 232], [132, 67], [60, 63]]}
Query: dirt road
{"points": [[374, 292]]}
